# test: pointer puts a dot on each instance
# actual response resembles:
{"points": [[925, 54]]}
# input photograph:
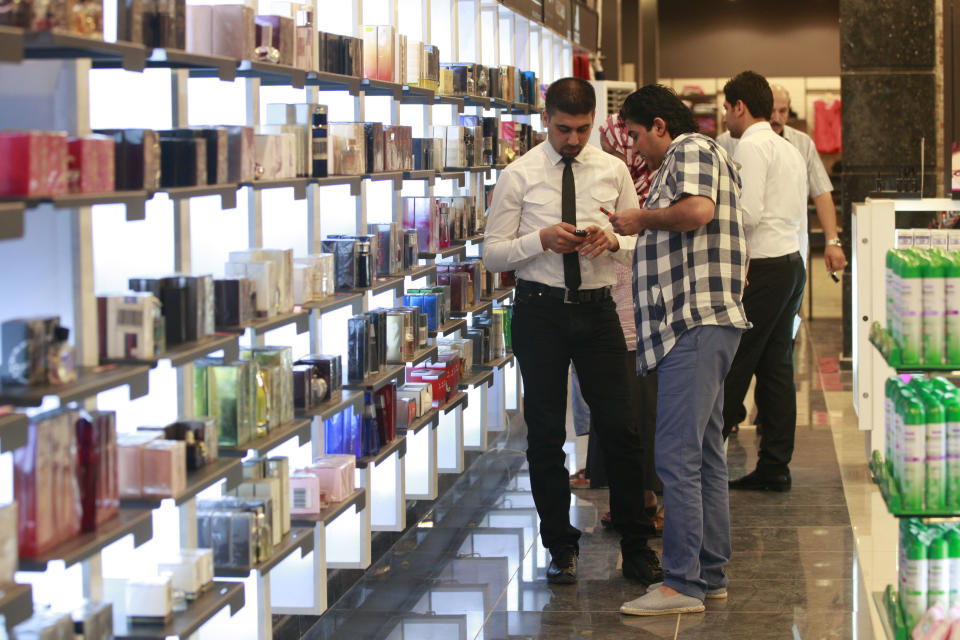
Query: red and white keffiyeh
{"points": [[616, 136]]}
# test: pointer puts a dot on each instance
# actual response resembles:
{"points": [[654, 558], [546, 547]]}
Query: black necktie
{"points": [[571, 261]]}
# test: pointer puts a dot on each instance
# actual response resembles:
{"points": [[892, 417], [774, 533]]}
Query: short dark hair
{"points": [[574, 96], [657, 101], [755, 92]]}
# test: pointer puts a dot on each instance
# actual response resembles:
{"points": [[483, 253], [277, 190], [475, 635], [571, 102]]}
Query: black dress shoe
{"points": [[643, 566], [759, 481], [563, 567]]}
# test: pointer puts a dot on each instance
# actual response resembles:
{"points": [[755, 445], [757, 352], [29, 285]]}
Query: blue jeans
{"points": [[690, 459]]}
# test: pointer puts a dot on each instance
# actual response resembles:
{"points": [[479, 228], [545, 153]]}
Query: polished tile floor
{"points": [[474, 568]]}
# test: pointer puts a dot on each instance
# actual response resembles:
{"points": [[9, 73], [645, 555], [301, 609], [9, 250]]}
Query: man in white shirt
{"points": [[774, 202], [546, 223], [818, 182]]}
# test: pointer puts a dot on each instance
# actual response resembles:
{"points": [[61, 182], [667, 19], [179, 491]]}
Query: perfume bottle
{"points": [[265, 50]]}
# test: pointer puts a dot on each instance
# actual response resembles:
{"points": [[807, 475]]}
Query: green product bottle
{"points": [[952, 308], [891, 391], [951, 408], [911, 308], [896, 327], [913, 454], [953, 553], [900, 408], [935, 472], [933, 269], [938, 573], [889, 277], [913, 596]]}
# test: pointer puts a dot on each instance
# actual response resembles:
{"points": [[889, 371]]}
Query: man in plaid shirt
{"points": [[688, 276]]}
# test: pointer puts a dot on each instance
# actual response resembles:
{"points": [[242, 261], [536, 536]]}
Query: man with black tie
{"points": [[546, 223]]}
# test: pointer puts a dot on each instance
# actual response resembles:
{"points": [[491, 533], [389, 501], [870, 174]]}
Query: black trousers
{"points": [[547, 335], [771, 299], [643, 411]]}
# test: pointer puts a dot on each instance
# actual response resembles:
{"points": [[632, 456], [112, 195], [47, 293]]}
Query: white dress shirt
{"points": [[774, 195], [527, 198]]}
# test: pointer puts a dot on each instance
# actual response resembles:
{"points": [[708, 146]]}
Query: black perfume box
{"points": [[330, 50], [344, 252], [303, 380], [327, 367], [218, 154], [358, 348], [378, 324], [137, 158], [183, 160], [234, 301], [24, 343], [373, 132], [174, 297]]}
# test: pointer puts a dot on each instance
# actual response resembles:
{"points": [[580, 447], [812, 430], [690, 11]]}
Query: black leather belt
{"points": [[579, 296], [790, 257]]}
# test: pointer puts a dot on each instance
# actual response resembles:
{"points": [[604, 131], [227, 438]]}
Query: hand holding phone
{"points": [[581, 233]]}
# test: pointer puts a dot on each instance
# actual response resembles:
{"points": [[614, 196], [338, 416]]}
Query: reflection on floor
{"points": [[473, 567]]}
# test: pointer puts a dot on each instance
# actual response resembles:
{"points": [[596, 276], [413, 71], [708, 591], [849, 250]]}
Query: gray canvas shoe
{"points": [[655, 604], [720, 593]]}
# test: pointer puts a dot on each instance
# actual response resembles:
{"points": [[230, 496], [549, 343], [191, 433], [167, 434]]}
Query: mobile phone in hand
{"points": [[580, 232]]}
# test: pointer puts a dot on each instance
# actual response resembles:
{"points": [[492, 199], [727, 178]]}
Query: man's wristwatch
{"points": [[835, 242]]}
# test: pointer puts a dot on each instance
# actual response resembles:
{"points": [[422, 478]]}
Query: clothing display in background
{"points": [[827, 126]]}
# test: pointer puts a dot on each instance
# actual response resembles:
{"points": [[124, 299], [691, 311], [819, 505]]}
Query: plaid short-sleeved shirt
{"points": [[682, 280]]}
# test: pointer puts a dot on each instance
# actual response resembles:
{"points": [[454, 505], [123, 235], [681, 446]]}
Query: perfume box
{"points": [[45, 625], [422, 214], [267, 489], [348, 149], [307, 497], [458, 75], [225, 392], [345, 251], [204, 562], [336, 475], [396, 333], [303, 380], [200, 434], [386, 410], [326, 368], [233, 31], [149, 597], [130, 327], [378, 344], [459, 288], [411, 397], [234, 301], [446, 82], [200, 29], [25, 345], [90, 164], [130, 465], [370, 51], [426, 394], [282, 260], [279, 467], [183, 162], [399, 59], [186, 573], [276, 364], [437, 382], [96, 435], [375, 147], [33, 163], [386, 53], [218, 154], [263, 275], [430, 67], [387, 257], [358, 348], [283, 37], [241, 165], [413, 67], [8, 542], [164, 468], [406, 411], [93, 620]]}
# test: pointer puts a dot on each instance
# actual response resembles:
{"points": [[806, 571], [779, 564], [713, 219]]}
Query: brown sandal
{"points": [[579, 480]]}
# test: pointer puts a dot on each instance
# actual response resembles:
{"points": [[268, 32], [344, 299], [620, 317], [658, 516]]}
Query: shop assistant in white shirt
{"points": [[528, 198], [774, 195]]}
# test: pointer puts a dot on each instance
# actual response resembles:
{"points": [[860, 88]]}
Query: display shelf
{"points": [[417, 95], [456, 400], [456, 101], [336, 301], [499, 295], [476, 379], [298, 427], [454, 324], [202, 65], [477, 307], [299, 185], [425, 271], [891, 615], [522, 109], [11, 219], [51, 45], [480, 168], [229, 469], [326, 81], [399, 443], [139, 522], [429, 419], [330, 181], [271, 74], [183, 624], [427, 353], [887, 484], [16, 603], [330, 513], [89, 382], [388, 283], [13, 431], [501, 103], [476, 238], [297, 538], [477, 101], [373, 87], [500, 167], [452, 174], [378, 380], [494, 364], [262, 325], [133, 200], [333, 407], [453, 251], [189, 351], [887, 346], [420, 174]]}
